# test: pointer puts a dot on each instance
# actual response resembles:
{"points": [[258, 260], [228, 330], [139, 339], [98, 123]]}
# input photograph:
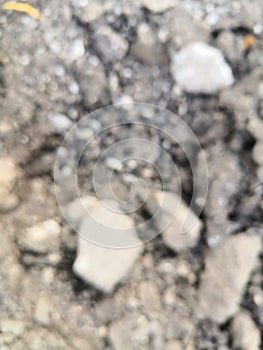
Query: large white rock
{"points": [[200, 68], [227, 271]]}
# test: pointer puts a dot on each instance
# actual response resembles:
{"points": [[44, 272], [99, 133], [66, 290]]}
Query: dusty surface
{"points": [[87, 55]]}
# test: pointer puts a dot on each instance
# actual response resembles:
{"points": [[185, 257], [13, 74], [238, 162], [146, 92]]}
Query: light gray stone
{"points": [[180, 227], [90, 12], [246, 335], [255, 127], [257, 153], [158, 6], [109, 44], [60, 122], [103, 230], [200, 68], [42, 238], [43, 310], [227, 271], [102, 267]]}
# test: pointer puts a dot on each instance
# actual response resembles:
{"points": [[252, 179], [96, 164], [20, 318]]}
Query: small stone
{"points": [[114, 164], [8, 202], [60, 122], [7, 175], [110, 45], [77, 49], [174, 345], [200, 68], [14, 327], [255, 127], [158, 6], [42, 238], [43, 310], [257, 153], [180, 227], [227, 270], [90, 12], [246, 335]]}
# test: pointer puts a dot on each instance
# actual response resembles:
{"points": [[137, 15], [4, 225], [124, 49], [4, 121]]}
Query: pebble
{"points": [[227, 271], [90, 12], [8, 176], [110, 45], [14, 327], [77, 49], [173, 208], [158, 6], [103, 267], [200, 68], [42, 238], [43, 310], [255, 127], [257, 153], [246, 335], [60, 122]]}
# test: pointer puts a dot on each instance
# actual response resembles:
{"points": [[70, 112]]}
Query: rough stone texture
{"points": [[246, 335], [200, 68], [227, 270], [42, 238]]}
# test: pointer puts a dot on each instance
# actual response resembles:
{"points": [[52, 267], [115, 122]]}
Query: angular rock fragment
{"points": [[103, 267], [227, 271], [180, 227], [246, 335], [98, 261], [200, 68]]}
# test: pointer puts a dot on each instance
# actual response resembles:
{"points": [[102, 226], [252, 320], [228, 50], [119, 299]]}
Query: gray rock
{"points": [[179, 225], [147, 48], [158, 6], [60, 122], [102, 267], [77, 49], [227, 270], [136, 333], [246, 335], [42, 238], [200, 68], [109, 44], [257, 153]]}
